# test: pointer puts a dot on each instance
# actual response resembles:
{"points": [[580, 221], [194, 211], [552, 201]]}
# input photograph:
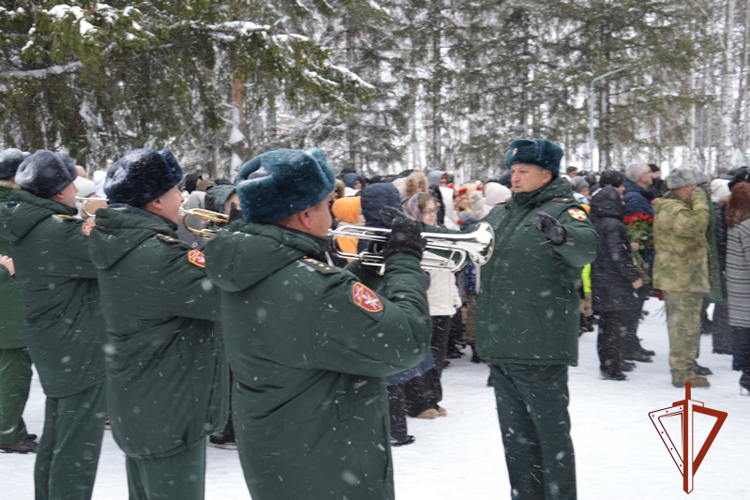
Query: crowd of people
{"points": [[263, 333]]}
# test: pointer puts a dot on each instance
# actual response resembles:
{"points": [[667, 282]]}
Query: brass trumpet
{"points": [[206, 216], [88, 199], [476, 246]]}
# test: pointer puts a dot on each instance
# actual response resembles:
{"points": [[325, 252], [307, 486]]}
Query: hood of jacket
{"points": [[245, 253], [121, 228], [558, 188], [24, 211], [607, 203], [375, 197]]}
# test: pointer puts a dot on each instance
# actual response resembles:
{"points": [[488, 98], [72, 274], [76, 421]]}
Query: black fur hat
{"points": [[141, 176], [10, 159], [45, 173], [540, 152]]}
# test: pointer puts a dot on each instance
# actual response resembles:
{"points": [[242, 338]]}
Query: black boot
{"points": [[701, 370]]}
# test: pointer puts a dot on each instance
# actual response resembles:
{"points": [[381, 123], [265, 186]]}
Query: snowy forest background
{"points": [[379, 85]]}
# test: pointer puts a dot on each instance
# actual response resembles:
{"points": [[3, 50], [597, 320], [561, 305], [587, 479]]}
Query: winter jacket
{"points": [[682, 250], [309, 346], [167, 382], [528, 310], [63, 322], [738, 274], [613, 272], [716, 293], [11, 306], [637, 199], [442, 295]]}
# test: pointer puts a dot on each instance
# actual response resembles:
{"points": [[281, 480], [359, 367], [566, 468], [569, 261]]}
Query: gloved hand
{"points": [[405, 237], [235, 213], [387, 214], [551, 228]]}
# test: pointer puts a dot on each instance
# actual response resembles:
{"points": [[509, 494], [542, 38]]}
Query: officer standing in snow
{"points": [[166, 375], [527, 318], [309, 345], [63, 322]]}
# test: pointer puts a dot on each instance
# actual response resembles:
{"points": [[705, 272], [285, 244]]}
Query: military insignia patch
{"points": [[197, 258], [86, 228], [578, 214], [366, 298]]}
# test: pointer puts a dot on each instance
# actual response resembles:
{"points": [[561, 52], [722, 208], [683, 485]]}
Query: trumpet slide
{"points": [[85, 200], [460, 248], [206, 216]]}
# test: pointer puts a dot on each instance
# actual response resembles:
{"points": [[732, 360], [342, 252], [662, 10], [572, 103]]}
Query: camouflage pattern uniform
{"points": [[681, 272]]}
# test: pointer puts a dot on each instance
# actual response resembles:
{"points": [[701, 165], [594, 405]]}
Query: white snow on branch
{"points": [[42, 73], [350, 75]]}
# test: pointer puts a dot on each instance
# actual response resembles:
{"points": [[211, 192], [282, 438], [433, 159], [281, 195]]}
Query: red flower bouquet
{"points": [[640, 228]]}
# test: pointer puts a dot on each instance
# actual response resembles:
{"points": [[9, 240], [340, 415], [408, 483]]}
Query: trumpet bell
{"points": [[206, 216]]}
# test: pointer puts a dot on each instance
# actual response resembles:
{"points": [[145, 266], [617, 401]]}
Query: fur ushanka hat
{"points": [[680, 177], [44, 174], [10, 159], [141, 176], [281, 183], [538, 152]]}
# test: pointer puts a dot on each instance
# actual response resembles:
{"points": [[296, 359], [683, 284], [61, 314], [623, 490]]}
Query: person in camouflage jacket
{"points": [[681, 268]]}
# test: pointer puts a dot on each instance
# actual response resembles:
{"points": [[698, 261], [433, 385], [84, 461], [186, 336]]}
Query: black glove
{"points": [[551, 228], [387, 214], [405, 237], [235, 213]]}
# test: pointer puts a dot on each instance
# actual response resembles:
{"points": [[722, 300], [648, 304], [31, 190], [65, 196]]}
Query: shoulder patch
{"points": [[86, 228], [578, 214], [196, 258], [366, 299], [167, 239], [320, 266]]}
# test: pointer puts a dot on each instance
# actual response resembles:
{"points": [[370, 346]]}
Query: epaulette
{"points": [[320, 266], [167, 239], [66, 217], [563, 200]]}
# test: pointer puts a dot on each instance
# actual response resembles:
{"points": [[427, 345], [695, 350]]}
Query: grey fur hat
{"points": [[10, 159], [45, 173], [683, 177]]}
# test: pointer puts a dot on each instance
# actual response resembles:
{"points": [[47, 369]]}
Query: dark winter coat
{"points": [[167, 382], [637, 200], [613, 272], [309, 348], [529, 306], [64, 325], [11, 307]]}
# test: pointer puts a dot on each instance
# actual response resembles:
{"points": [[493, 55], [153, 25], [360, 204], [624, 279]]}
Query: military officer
{"points": [[166, 375], [309, 345], [15, 362], [64, 325]]}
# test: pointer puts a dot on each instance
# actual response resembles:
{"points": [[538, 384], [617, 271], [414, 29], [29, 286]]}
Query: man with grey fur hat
{"points": [[15, 362], [63, 321], [681, 268]]}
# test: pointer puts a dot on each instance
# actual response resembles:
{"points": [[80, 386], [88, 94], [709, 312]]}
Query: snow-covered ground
{"points": [[618, 452]]}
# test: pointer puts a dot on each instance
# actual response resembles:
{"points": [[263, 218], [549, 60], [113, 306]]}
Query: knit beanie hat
{"points": [[680, 177], [10, 159], [141, 176], [45, 173], [347, 209], [281, 183], [742, 175], [538, 152], [495, 193]]}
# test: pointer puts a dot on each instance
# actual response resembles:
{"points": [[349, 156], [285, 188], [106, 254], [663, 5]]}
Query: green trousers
{"points": [[684, 324], [15, 381], [68, 452], [532, 406], [181, 476]]}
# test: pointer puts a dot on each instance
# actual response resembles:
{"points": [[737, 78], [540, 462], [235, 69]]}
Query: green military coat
{"points": [[308, 346], [11, 307], [682, 249], [528, 311], [63, 322], [167, 383]]}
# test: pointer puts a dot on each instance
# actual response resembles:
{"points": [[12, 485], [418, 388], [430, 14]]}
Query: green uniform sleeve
{"points": [[362, 333], [4, 275], [181, 282], [71, 249], [366, 274], [582, 242], [689, 223]]}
